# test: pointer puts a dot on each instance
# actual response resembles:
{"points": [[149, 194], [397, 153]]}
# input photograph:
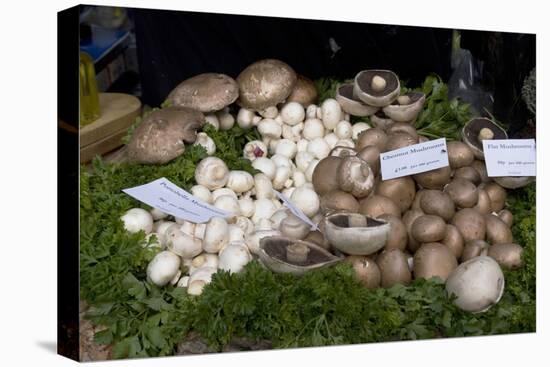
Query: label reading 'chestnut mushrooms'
{"points": [[510, 157], [414, 159]]}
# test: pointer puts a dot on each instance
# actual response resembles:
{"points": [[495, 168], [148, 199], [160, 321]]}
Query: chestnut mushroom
{"points": [[434, 260], [371, 154], [399, 140], [304, 92], [408, 219], [460, 155], [434, 179], [397, 237], [406, 107], [506, 216], [376, 88], [394, 268], [338, 200], [403, 127], [400, 190], [480, 167], [437, 203], [428, 228], [507, 255], [470, 223], [463, 192], [453, 240], [497, 195], [161, 135], [366, 270], [352, 105], [355, 176], [377, 205], [497, 230], [468, 173], [479, 129], [324, 178], [473, 249], [373, 136], [483, 202]]}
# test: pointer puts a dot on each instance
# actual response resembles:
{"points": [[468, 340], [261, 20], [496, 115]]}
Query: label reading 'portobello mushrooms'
{"points": [[510, 157], [414, 159], [173, 200]]}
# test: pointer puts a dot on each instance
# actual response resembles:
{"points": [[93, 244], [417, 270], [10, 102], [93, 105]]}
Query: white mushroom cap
{"points": [[138, 219], [306, 200], [293, 113], [313, 128], [331, 113], [163, 268], [212, 173]]}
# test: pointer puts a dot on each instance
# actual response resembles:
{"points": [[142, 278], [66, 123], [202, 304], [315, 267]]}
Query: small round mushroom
{"points": [[294, 227], [401, 190], [460, 155], [324, 176], [211, 173], [497, 230], [463, 192], [371, 154], [304, 92], [473, 249], [397, 238], [497, 195], [355, 176], [435, 179], [352, 105], [338, 200], [483, 202], [306, 200], [366, 270], [468, 173], [470, 223], [374, 136], [407, 107], [479, 129], [438, 203], [428, 228], [507, 255], [453, 240], [331, 113], [376, 88], [377, 205], [394, 268], [434, 260], [408, 219], [265, 83], [161, 136]]}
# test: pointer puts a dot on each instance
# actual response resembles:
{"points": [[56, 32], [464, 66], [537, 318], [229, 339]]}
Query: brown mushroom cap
{"points": [[473, 249], [417, 199], [483, 202], [510, 182], [460, 155], [324, 176], [507, 255], [265, 83], [338, 200], [380, 120], [364, 91], [437, 203], [434, 260], [480, 167], [471, 130], [377, 205], [304, 92], [470, 223], [434, 179], [406, 112], [373, 136], [463, 192], [453, 240], [161, 135], [468, 173], [207, 92], [428, 228], [355, 176], [400, 190], [342, 151], [399, 140], [408, 219], [497, 230], [394, 268], [366, 270], [497, 195], [403, 127], [506, 216], [397, 238], [371, 154], [318, 238], [350, 104]]}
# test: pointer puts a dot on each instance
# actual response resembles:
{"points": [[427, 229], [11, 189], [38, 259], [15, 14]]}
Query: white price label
{"points": [[296, 211], [414, 159], [510, 157], [171, 199]]}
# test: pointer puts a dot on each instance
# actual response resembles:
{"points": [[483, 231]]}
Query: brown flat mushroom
{"points": [[207, 92], [479, 129], [381, 121], [352, 105], [161, 135], [406, 107], [265, 83], [304, 92], [376, 88]]}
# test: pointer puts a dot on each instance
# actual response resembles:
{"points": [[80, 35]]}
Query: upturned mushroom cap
{"points": [[399, 140], [371, 154], [434, 260], [468, 173], [376, 88], [407, 111], [377, 205], [460, 155], [374, 136], [497, 195], [477, 284], [434, 179], [366, 270], [453, 240], [356, 234], [470, 223], [355, 176], [304, 92], [479, 129], [511, 182], [161, 135], [408, 219], [324, 176], [394, 268], [428, 228], [473, 249], [397, 238], [507, 255], [352, 105], [400, 190], [265, 83], [338, 200], [207, 92], [438, 203], [497, 230], [463, 192]]}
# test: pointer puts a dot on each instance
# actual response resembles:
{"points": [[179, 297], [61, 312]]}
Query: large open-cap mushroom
{"points": [[406, 107], [285, 255], [352, 105], [162, 134], [376, 88], [304, 92], [477, 283], [265, 83], [479, 129], [207, 92], [356, 234], [355, 176], [380, 120]]}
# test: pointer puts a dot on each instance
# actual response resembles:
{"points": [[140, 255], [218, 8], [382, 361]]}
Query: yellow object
{"points": [[89, 98]]}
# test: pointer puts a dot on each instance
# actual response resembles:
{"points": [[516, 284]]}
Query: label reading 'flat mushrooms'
{"points": [[510, 157]]}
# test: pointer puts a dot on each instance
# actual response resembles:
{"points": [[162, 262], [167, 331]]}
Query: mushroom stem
{"points": [[378, 83], [404, 100], [485, 134], [297, 252]]}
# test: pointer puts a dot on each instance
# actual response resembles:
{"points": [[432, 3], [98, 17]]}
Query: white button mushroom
{"points": [[270, 128], [136, 220], [182, 283], [345, 143], [303, 159], [212, 173], [163, 268], [229, 204], [195, 230], [306, 200], [264, 209], [157, 214], [182, 244], [358, 128], [331, 139], [287, 148], [278, 217], [234, 257], [203, 260], [313, 128], [270, 112], [203, 193], [240, 181], [226, 119], [223, 191], [247, 207], [245, 224], [216, 235], [266, 166], [254, 149], [292, 113], [206, 142], [245, 118], [288, 191], [263, 185], [281, 176], [160, 230], [298, 178], [212, 119], [235, 233], [311, 111], [331, 113], [319, 148], [199, 279], [301, 145], [310, 169], [343, 130], [282, 161]]}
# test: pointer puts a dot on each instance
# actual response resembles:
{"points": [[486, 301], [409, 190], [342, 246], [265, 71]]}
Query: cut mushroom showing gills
{"points": [[352, 105], [479, 129], [376, 88], [356, 234], [285, 255], [405, 108]]}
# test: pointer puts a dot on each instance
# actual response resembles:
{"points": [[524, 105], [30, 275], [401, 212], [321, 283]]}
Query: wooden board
{"points": [[103, 146], [118, 111]]}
